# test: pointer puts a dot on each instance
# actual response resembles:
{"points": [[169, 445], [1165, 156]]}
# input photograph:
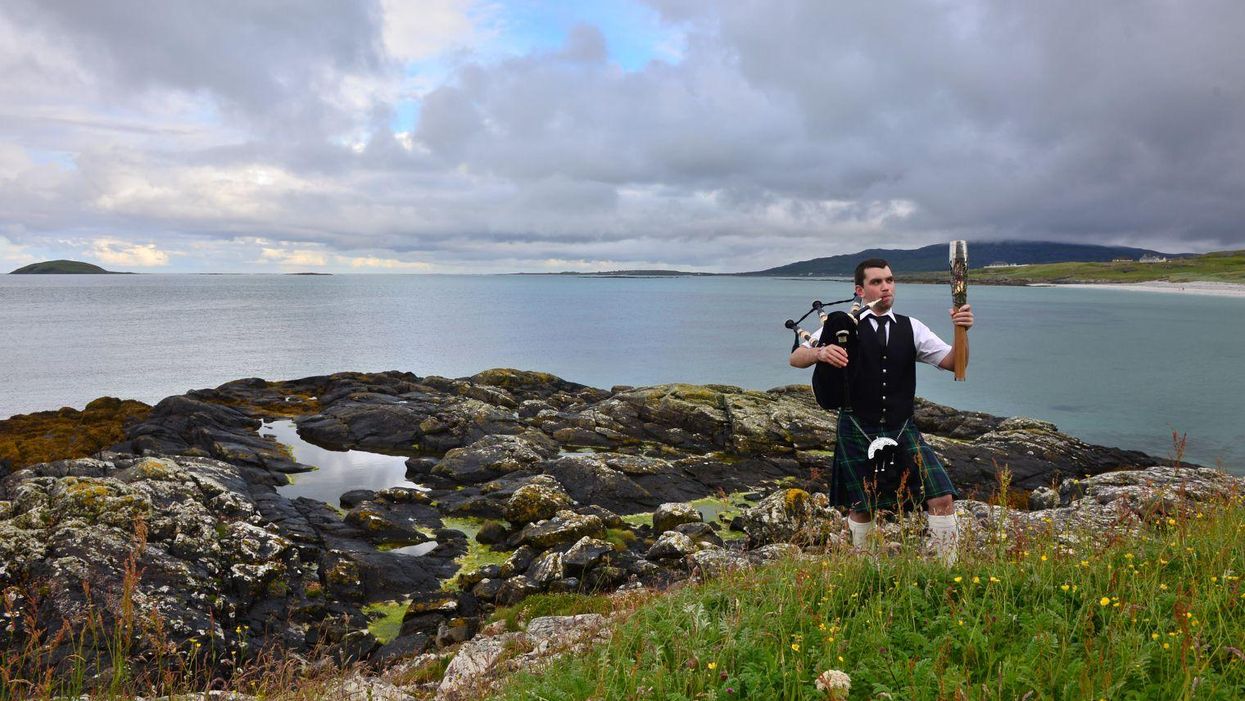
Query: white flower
{"points": [[834, 682]]}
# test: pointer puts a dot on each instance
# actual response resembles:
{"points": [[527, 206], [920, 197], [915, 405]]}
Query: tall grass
{"points": [[1159, 615]]}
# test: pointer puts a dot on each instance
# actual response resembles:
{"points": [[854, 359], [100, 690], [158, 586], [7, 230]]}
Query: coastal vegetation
{"points": [[1157, 614], [1037, 613], [44, 436], [1220, 266]]}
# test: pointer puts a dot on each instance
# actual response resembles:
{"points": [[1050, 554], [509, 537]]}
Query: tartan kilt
{"points": [[919, 476]]}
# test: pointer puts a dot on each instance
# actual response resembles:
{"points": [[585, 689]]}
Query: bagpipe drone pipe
{"points": [[831, 385]]}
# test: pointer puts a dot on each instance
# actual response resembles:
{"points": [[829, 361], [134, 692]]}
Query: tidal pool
{"points": [[337, 472]]}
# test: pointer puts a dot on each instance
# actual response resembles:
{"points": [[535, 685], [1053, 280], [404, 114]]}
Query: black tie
{"points": [[882, 329]]}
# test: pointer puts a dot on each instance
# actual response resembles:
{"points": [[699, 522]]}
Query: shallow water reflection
{"points": [[338, 471]]}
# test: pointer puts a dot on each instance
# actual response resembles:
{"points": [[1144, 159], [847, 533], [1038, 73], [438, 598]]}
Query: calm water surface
{"points": [[1110, 366]]}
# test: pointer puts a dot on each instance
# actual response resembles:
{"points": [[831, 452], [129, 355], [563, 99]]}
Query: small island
{"points": [[63, 267]]}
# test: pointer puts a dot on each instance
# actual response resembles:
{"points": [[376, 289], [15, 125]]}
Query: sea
{"points": [[1136, 370]]}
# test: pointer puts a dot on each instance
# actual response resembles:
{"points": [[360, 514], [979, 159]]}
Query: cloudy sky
{"points": [[534, 135]]}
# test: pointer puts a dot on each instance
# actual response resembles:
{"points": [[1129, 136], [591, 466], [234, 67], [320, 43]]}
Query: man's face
{"points": [[879, 284]]}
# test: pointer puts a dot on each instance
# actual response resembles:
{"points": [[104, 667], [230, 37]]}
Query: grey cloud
{"points": [[784, 132]]}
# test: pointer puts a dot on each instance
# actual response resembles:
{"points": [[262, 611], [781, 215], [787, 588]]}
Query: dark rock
{"points": [[354, 497], [700, 533], [585, 554], [669, 515], [487, 589], [399, 648], [609, 518], [518, 562], [568, 585], [539, 499], [515, 589], [671, 545], [492, 533], [546, 569], [565, 527], [491, 456]]}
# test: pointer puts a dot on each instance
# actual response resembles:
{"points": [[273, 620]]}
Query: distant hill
{"points": [[980, 254], [61, 267]]}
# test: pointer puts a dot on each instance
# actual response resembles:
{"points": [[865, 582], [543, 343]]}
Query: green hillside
{"points": [[1220, 266], [933, 258], [61, 267]]}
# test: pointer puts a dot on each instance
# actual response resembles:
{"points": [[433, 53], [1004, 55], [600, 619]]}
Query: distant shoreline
{"points": [[1211, 289]]}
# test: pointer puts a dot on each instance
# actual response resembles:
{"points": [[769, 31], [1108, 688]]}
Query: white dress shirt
{"points": [[929, 347]]}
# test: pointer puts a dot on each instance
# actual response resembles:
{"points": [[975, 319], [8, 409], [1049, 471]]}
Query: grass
{"points": [[552, 605], [1221, 266], [1158, 615]]}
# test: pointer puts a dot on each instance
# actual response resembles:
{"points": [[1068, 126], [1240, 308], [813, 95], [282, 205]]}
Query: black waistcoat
{"points": [[884, 381]]}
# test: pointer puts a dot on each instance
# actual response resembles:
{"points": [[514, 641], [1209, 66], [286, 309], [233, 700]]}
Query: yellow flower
{"points": [[958, 580], [821, 626], [1171, 521], [996, 580], [1163, 587], [976, 580], [1166, 646], [1154, 636], [1043, 557], [795, 647], [1064, 587], [1104, 601], [712, 666]]}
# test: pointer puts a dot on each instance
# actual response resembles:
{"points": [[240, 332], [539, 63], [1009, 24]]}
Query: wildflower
{"points": [[795, 647], [1163, 587], [1154, 636], [996, 580], [958, 580], [835, 683], [712, 666], [1171, 521], [976, 580], [1166, 646], [1104, 601], [1065, 587], [1043, 557]]}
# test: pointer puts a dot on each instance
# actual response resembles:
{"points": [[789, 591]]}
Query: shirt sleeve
{"points": [[812, 340], [929, 347]]}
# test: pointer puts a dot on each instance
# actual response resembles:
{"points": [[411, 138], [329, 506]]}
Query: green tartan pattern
{"points": [[852, 475]]}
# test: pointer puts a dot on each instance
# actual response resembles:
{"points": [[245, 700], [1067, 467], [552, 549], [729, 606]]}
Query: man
{"points": [[882, 382]]}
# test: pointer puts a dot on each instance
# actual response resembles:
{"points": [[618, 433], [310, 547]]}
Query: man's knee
{"points": [[941, 506], [860, 516]]}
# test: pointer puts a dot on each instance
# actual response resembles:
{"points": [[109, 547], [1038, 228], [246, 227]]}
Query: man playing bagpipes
{"points": [[868, 372]]}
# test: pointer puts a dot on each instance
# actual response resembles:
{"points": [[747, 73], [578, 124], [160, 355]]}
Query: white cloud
{"points": [[295, 257], [13, 254], [417, 30], [385, 263], [117, 252]]}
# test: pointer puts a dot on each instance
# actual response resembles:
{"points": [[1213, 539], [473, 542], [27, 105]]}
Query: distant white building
{"points": [[1005, 265], [1153, 259]]}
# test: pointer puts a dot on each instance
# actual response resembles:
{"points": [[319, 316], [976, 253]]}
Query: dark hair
{"points": [[868, 263]]}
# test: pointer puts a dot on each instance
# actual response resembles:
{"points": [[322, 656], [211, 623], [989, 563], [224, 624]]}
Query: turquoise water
{"points": [[1110, 366]]}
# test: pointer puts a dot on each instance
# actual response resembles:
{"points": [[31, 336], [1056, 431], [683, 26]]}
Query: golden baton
{"points": [[959, 297]]}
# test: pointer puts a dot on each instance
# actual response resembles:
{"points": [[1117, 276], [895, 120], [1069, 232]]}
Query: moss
{"points": [[477, 555], [385, 619], [552, 605], [640, 519], [795, 499], [620, 538], [30, 439], [313, 590]]}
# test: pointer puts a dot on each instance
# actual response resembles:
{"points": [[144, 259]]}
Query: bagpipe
{"points": [[831, 385]]}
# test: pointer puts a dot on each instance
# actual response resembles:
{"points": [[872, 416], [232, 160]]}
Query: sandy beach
{"points": [[1213, 289]]}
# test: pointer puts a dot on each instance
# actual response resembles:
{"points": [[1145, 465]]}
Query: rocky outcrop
{"points": [[189, 495]]}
